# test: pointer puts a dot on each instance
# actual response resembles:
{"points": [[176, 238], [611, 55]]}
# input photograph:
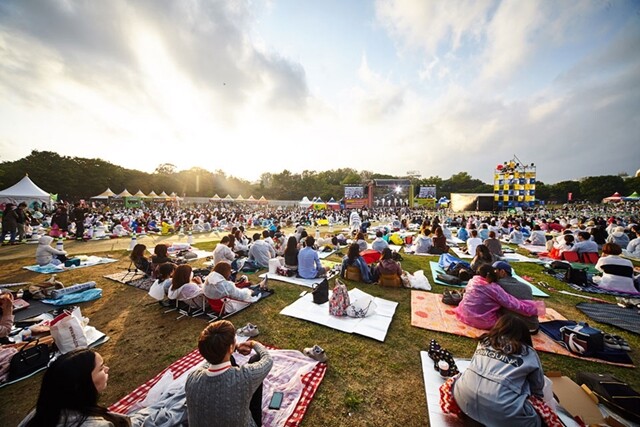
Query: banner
{"points": [[569, 196]]}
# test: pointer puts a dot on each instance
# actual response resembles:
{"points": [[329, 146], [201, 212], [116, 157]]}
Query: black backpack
{"points": [[576, 276]]}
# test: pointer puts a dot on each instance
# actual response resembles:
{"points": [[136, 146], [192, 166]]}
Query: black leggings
{"points": [[255, 406]]}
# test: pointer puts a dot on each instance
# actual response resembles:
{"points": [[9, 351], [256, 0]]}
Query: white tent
{"points": [[305, 202], [24, 191], [105, 194], [124, 193]]}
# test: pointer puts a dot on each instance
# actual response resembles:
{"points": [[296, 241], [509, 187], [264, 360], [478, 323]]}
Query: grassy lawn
{"points": [[367, 382]]}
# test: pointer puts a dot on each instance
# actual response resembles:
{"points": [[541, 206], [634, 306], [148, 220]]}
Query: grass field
{"points": [[368, 383]]}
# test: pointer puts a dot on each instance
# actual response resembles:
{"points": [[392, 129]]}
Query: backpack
{"points": [[339, 300], [576, 276]]}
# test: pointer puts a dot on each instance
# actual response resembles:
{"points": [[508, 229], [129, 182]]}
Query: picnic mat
{"points": [[432, 383], [304, 282], [534, 249], [50, 268], [292, 372], [35, 308], [436, 269], [137, 279], [374, 326], [592, 288], [429, 312], [611, 314]]}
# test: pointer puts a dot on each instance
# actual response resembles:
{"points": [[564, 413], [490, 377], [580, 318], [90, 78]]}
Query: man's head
{"points": [[502, 268], [216, 341]]}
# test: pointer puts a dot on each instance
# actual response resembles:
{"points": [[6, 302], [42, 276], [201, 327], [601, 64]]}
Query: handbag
{"points": [[29, 359], [449, 279], [67, 331], [582, 339], [320, 292], [576, 276], [339, 300], [363, 307]]}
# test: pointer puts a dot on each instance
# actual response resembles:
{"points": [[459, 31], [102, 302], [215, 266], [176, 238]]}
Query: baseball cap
{"points": [[502, 265]]}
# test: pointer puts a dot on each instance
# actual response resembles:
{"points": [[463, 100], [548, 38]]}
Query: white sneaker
{"points": [[248, 330], [316, 352]]}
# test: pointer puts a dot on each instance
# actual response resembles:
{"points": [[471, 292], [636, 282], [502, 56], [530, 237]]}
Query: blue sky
{"points": [[388, 86]]}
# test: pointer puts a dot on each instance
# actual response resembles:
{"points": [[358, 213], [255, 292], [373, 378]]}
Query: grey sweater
{"points": [[223, 400]]}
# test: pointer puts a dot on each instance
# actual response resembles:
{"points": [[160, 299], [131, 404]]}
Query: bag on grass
{"points": [[67, 331], [615, 394], [419, 281], [576, 276], [449, 279], [157, 290], [362, 307], [320, 292], [28, 360], [339, 300], [582, 339]]}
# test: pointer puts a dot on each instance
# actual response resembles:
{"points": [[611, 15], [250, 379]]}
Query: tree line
{"points": [[74, 178]]}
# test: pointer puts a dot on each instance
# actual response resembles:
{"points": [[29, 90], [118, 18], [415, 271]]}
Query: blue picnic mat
{"points": [[50, 269], [436, 269]]}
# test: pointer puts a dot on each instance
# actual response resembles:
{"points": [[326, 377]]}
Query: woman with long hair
{"points": [[218, 284], [69, 394], [353, 258], [388, 265], [139, 260], [504, 382], [185, 287], [439, 241], [291, 254], [483, 257]]}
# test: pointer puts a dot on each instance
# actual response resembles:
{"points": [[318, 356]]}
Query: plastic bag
{"points": [[157, 290], [68, 332], [419, 281]]}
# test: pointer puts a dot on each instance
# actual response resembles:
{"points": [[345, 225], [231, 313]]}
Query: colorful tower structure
{"points": [[514, 185]]}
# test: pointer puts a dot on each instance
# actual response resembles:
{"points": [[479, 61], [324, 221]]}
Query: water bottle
{"points": [[59, 244]]}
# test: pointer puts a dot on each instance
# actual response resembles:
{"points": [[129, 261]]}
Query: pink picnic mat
{"points": [[310, 383], [429, 312]]}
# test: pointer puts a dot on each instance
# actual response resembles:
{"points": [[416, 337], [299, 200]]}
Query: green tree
{"points": [[596, 188]]}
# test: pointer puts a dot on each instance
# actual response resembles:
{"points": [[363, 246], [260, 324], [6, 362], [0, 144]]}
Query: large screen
{"points": [[427, 192], [353, 192]]}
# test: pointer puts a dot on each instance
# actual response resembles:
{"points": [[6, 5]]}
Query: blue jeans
{"points": [[12, 236]]}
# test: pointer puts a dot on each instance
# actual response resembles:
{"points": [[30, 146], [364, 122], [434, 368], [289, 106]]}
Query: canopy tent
{"points": [[240, 198], [215, 198], [141, 194], [104, 195], [153, 195], [614, 198], [262, 200], [633, 197], [251, 198], [332, 204], [125, 193], [228, 198], [305, 202], [24, 191], [164, 195]]}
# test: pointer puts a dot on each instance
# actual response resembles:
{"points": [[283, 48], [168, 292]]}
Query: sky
{"points": [[260, 86]]}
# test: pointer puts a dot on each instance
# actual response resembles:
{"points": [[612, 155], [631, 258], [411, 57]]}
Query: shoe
{"points": [[316, 352], [624, 345], [248, 330], [451, 297], [166, 303], [611, 342]]}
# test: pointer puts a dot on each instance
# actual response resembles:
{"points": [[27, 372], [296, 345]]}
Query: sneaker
{"points": [[248, 330], [316, 352]]}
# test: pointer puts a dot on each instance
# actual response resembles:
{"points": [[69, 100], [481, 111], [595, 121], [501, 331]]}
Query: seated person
{"points": [[584, 243], [164, 276], [516, 237], [223, 251], [309, 266], [387, 265], [494, 245], [218, 285], [46, 254], [185, 287], [353, 258], [139, 260], [633, 248], [565, 244], [362, 243], [69, 393], [619, 237], [379, 244], [484, 300], [504, 372], [291, 254], [423, 242], [6, 308], [517, 289], [482, 257], [223, 391], [439, 242], [537, 237], [160, 256], [261, 251], [462, 234], [617, 272], [473, 242]]}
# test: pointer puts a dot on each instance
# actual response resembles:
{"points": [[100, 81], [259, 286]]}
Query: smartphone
{"points": [[276, 400]]}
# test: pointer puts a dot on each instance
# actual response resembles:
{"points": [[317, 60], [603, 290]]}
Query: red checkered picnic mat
{"points": [[310, 383]]}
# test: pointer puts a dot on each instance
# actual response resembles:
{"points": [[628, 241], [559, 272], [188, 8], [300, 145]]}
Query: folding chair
{"points": [[132, 270], [570, 256], [353, 273], [225, 307], [390, 280], [589, 257], [192, 307]]}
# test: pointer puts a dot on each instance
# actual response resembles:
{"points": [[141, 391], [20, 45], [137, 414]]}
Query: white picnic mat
{"points": [[521, 258], [298, 280], [460, 253], [455, 241], [432, 383], [533, 248], [392, 247], [374, 326]]}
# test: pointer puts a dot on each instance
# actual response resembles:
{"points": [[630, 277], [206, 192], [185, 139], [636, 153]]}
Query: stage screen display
{"points": [[353, 192], [427, 192]]}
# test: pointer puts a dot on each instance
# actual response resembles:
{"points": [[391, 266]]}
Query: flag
{"points": [[569, 196]]}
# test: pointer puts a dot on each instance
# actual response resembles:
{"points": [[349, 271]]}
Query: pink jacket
{"points": [[482, 302]]}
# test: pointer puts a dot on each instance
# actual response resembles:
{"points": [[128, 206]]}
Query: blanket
{"points": [[436, 269], [135, 279], [429, 312], [295, 374], [534, 249], [50, 268], [304, 282], [624, 318], [374, 326]]}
